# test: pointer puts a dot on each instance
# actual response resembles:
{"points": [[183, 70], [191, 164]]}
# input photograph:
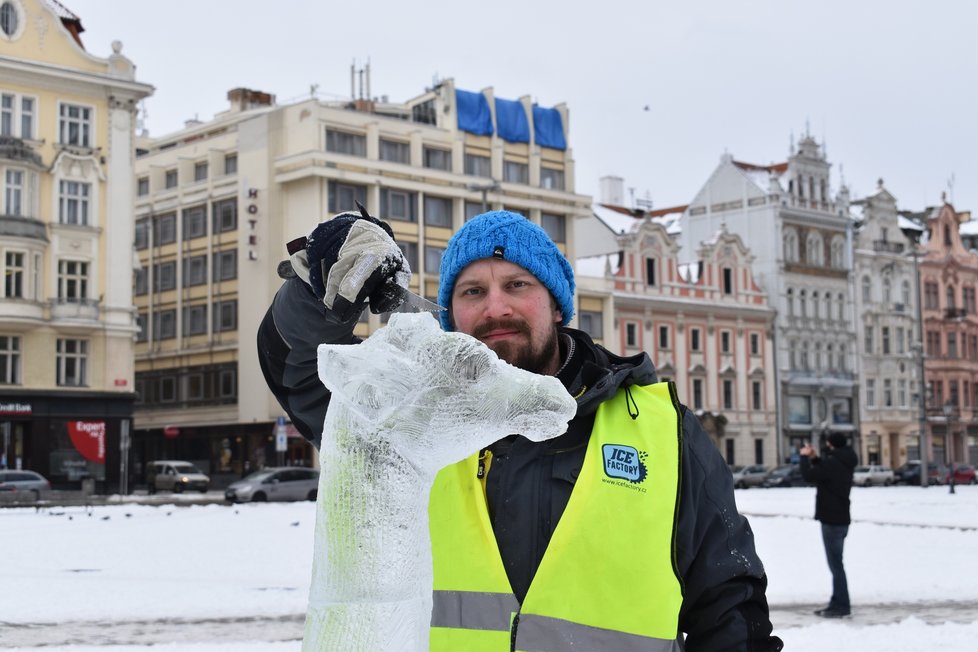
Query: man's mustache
{"points": [[517, 325]]}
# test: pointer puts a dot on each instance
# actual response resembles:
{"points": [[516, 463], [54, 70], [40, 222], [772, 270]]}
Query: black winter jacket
{"points": [[833, 480], [528, 484]]}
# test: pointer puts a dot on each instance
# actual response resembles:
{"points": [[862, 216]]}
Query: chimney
{"points": [[612, 190], [243, 99]]}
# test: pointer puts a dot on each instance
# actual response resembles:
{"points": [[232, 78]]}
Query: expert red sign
{"points": [[88, 437]]}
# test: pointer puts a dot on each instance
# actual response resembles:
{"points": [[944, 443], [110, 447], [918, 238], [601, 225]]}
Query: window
{"points": [[73, 202], [200, 171], [949, 297], [758, 451], [432, 258], [13, 279], [790, 243], [230, 164], [803, 303], [724, 341], [398, 204], [13, 196], [631, 334], [551, 179], [75, 126], [140, 282], [72, 280], [968, 297], [868, 339], [194, 222], [870, 392], [437, 159], [815, 304], [902, 392], [194, 320], [727, 280], [514, 172], [804, 356], [226, 265], [814, 250], [410, 252], [663, 337], [591, 323], [72, 362], [472, 209], [650, 275], [141, 234], [164, 325], [887, 392], [755, 344], [164, 276], [887, 292], [142, 186], [438, 211], [394, 151], [477, 166], [555, 226], [727, 394], [225, 316], [755, 395], [697, 393], [840, 302], [694, 339], [930, 296], [343, 142], [952, 345], [790, 301], [165, 229], [885, 337], [170, 179], [9, 18], [343, 197], [9, 360], [195, 270], [799, 409], [225, 215]]}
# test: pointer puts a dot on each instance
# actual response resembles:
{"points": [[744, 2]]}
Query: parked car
{"points": [[175, 476], [23, 483], [964, 474], [909, 473], [873, 474], [750, 476], [285, 483], [788, 475]]}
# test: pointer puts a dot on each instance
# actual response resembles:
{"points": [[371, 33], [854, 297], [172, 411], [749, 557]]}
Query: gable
{"points": [[727, 184], [43, 38]]}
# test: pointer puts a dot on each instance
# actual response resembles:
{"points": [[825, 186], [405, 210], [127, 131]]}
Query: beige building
{"points": [[217, 201], [706, 324], [66, 312]]}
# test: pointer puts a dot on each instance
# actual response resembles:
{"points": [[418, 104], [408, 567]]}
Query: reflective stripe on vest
{"points": [[607, 580]]}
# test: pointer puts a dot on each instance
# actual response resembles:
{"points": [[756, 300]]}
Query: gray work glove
{"points": [[351, 260]]}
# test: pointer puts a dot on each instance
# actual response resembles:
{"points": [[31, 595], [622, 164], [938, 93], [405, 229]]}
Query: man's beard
{"points": [[518, 354]]}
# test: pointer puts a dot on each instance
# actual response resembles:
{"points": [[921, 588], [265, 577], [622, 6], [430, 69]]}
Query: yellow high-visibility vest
{"points": [[608, 579]]}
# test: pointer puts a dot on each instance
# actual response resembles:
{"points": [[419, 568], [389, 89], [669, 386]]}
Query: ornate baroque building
{"points": [[217, 201], [800, 237], [706, 324], [66, 311]]}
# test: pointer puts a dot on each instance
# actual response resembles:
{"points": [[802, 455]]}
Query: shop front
{"points": [[73, 439]]}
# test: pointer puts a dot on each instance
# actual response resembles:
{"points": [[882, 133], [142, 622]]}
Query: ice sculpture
{"points": [[406, 402]]}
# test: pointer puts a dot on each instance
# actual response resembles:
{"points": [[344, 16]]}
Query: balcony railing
{"points": [[955, 313], [83, 309], [885, 246]]}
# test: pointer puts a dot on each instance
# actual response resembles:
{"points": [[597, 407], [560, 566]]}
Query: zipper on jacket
{"points": [[512, 639]]}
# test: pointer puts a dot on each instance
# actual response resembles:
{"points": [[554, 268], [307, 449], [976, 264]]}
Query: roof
{"points": [[596, 266], [62, 11], [761, 174], [625, 220]]}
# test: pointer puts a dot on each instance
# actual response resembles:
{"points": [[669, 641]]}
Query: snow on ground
{"points": [[66, 571]]}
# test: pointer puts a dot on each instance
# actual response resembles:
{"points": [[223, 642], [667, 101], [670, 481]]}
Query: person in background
{"points": [[650, 546], [832, 477]]}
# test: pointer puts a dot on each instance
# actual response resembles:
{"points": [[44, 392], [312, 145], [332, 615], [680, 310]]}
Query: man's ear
{"points": [[558, 316]]}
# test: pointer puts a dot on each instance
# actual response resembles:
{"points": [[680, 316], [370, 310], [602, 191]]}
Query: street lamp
{"points": [[914, 236], [948, 439], [484, 189]]}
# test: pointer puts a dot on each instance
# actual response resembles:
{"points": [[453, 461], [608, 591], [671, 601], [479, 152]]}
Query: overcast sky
{"points": [[889, 86]]}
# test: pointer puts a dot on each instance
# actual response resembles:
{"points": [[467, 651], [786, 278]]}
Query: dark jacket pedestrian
{"points": [[832, 477], [528, 485]]}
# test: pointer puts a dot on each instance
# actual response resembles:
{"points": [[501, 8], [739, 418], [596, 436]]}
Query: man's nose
{"points": [[498, 304]]}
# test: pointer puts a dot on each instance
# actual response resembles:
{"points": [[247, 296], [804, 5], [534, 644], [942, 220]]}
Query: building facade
{"points": [[886, 320], [801, 239], [66, 311], [949, 281], [706, 325], [217, 201]]}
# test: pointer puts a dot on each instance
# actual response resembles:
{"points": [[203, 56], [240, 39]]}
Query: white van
{"points": [[175, 476]]}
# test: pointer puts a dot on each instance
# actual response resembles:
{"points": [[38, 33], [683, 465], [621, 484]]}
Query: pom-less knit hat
{"points": [[511, 237], [838, 440]]}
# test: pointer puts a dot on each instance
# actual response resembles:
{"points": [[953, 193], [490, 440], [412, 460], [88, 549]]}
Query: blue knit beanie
{"points": [[511, 237]]}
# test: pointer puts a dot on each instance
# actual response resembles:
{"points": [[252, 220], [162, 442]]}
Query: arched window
{"points": [[842, 357], [803, 303], [817, 358], [905, 295], [804, 356], [838, 253], [792, 354], [841, 303], [828, 306], [829, 360], [813, 250], [790, 301], [887, 295], [867, 290], [950, 297], [790, 243], [815, 305]]}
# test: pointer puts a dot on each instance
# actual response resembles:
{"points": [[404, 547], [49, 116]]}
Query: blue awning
{"points": [[548, 128], [473, 113], [511, 123]]}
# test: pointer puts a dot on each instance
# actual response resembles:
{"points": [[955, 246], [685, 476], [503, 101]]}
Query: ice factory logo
{"points": [[624, 462]]}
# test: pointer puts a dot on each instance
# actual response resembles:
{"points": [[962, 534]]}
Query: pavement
{"points": [[138, 497]]}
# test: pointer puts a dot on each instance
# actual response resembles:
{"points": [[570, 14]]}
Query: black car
{"points": [[785, 476], [909, 473]]}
